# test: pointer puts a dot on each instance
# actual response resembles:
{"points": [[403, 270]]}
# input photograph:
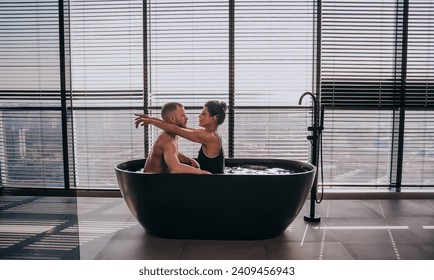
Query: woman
{"points": [[211, 156]]}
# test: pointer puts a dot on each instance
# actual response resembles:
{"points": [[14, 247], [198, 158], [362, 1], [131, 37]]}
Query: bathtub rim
{"points": [[311, 167]]}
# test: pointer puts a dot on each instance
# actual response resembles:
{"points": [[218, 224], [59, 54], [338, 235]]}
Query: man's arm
{"points": [[185, 159], [175, 166]]}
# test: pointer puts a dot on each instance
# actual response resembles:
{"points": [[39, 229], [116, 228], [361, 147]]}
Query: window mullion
{"points": [[401, 42], [231, 126]]}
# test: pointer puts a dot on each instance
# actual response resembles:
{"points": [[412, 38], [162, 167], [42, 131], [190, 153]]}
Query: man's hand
{"points": [[172, 160], [185, 159], [194, 163]]}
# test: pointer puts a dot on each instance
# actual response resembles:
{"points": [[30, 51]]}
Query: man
{"points": [[164, 156]]}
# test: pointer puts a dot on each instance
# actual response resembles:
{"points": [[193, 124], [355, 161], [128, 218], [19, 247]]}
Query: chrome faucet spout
{"points": [[315, 105], [307, 93]]}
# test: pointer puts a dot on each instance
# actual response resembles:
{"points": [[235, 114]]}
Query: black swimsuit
{"points": [[215, 164]]}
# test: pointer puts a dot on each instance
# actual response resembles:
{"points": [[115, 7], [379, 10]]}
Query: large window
{"points": [[357, 147], [274, 51], [74, 72], [376, 86], [358, 87], [187, 45], [31, 150], [192, 60], [107, 87], [418, 160]]}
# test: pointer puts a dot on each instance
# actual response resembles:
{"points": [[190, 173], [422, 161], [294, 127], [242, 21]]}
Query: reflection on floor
{"points": [[38, 228], [103, 228]]}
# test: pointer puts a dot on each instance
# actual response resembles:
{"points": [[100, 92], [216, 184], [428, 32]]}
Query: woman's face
{"points": [[205, 118]]}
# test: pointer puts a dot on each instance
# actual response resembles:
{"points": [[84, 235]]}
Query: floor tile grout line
{"points": [[395, 248], [321, 250], [304, 235], [392, 240], [265, 249], [328, 208], [183, 249], [381, 209]]}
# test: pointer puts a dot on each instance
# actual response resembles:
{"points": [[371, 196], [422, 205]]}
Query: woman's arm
{"points": [[195, 135]]}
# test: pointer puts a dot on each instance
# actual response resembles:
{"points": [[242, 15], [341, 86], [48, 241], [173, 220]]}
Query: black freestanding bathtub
{"points": [[218, 206]]}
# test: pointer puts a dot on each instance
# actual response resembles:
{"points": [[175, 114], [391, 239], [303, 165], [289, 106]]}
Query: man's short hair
{"points": [[168, 109]]}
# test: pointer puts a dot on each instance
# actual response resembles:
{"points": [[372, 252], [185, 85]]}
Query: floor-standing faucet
{"points": [[316, 131]]}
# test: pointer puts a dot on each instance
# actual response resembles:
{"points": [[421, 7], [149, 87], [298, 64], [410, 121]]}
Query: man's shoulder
{"points": [[164, 137], [164, 140]]}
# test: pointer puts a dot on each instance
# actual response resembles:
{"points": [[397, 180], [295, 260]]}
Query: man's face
{"points": [[180, 117]]}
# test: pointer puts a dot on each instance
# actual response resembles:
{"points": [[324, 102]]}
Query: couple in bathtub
{"points": [[165, 157]]}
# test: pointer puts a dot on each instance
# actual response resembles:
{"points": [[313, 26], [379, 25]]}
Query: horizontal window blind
{"points": [[420, 57], [357, 147], [188, 51], [277, 133], [31, 151], [358, 54], [107, 87], [418, 166], [107, 53], [273, 52], [29, 54], [104, 138]]}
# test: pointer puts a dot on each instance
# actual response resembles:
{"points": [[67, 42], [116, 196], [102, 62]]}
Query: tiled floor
{"points": [[103, 228]]}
